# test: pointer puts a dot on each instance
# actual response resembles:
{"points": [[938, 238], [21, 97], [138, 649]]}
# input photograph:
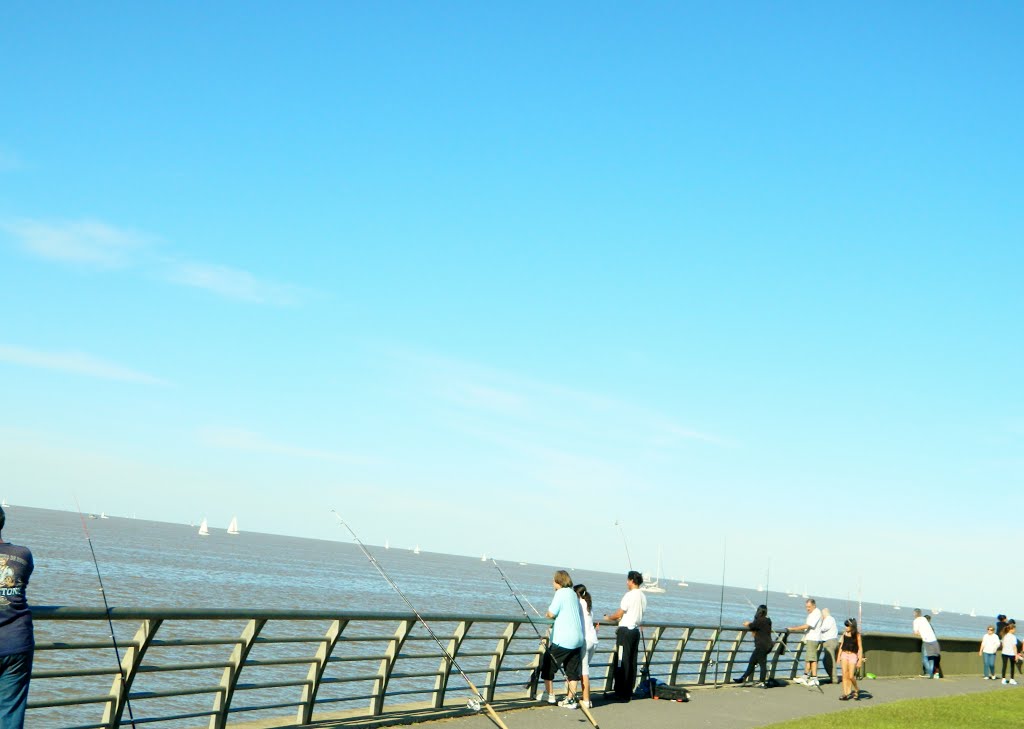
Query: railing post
{"points": [[732, 654], [706, 658], [535, 663], [499, 656], [777, 650], [796, 660], [441, 682], [229, 679], [677, 655], [650, 645], [130, 662], [316, 670], [388, 664]]}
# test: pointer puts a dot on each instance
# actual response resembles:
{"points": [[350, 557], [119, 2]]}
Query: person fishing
{"points": [[761, 627], [567, 640], [17, 642], [627, 636]]}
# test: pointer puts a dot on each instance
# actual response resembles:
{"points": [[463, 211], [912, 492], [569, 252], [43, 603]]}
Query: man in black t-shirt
{"points": [[16, 640]]}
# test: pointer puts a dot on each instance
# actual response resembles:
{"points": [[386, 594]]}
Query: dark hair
{"points": [[581, 590], [761, 612], [812, 601], [3, 519], [635, 577], [851, 623]]}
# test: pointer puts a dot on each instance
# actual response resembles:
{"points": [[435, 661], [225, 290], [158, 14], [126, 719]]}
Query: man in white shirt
{"points": [[627, 636], [812, 642], [829, 643], [929, 643]]}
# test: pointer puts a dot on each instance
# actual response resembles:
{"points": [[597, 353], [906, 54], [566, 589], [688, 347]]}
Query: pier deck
{"points": [[724, 708]]}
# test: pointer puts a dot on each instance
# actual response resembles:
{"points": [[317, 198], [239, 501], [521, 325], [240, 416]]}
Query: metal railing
{"points": [[183, 668]]}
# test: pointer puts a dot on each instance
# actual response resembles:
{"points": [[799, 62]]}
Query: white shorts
{"points": [[588, 654]]}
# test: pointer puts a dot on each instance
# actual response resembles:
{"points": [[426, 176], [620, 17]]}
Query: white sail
{"points": [[387, 544], [103, 515], [484, 558], [416, 549], [233, 526], [204, 531], [760, 588], [5, 504], [653, 586]]}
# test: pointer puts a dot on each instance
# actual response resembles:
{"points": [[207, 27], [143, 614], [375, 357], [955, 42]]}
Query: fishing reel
{"points": [[475, 704]]}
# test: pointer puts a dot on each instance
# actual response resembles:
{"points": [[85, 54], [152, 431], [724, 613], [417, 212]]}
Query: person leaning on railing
{"points": [[17, 643], [627, 637]]}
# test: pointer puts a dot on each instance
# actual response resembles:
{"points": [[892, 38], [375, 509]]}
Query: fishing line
{"points": [[110, 622], [481, 702], [579, 702]]}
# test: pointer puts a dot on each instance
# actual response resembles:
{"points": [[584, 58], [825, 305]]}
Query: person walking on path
{"points": [[990, 645], [17, 643], [566, 639], [627, 636], [851, 657], [1009, 652], [812, 642], [590, 636], [761, 627], [829, 643]]}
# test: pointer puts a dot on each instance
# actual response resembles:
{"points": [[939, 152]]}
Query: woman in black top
{"points": [[851, 657], [761, 627]]}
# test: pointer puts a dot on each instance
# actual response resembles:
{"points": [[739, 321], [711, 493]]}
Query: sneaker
{"points": [[739, 680], [761, 684], [1012, 682], [801, 679], [568, 703], [935, 675], [549, 698], [1005, 681], [813, 682]]}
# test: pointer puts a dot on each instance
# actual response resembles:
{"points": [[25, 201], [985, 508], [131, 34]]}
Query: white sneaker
{"points": [[1012, 682], [1005, 681], [813, 682], [802, 679], [568, 703], [935, 675]]}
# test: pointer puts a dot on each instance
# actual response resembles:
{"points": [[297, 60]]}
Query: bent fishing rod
{"points": [[481, 701], [110, 622], [583, 707]]}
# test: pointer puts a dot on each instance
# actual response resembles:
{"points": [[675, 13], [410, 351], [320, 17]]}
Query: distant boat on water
{"points": [[387, 544], [4, 504], [484, 558], [416, 549], [103, 515], [683, 583], [204, 530], [233, 526], [896, 606], [760, 588], [973, 614], [653, 586]]}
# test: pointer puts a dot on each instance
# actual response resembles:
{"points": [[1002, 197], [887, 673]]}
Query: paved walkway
{"points": [[724, 708]]}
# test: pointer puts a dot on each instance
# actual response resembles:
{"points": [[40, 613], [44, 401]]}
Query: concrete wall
{"points": [[896, 654]]}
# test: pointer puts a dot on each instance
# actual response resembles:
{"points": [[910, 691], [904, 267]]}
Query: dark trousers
{"points": [[1013, 664], [14, 675], [936, 665], [627, 641], [758, 658]]}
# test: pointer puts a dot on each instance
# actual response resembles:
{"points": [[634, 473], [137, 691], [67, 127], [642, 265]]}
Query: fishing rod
{"points": [[721, 612], [624, 544], [110, 622], [575, 696], [480, 702]]}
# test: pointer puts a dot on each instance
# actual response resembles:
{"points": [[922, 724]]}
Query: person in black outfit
{"points": [[17, 643], [761, 627]]}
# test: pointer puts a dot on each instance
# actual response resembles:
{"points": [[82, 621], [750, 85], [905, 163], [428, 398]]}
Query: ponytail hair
{"points": [[584, 595]]}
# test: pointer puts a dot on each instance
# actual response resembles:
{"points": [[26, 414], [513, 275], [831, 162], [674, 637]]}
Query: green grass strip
{"points": [[981, 711]]}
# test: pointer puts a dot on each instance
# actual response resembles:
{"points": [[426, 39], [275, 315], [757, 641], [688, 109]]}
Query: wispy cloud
{"points": [[84, 242], [231, 283], [98, 245], [76, 363], [238, 439]]}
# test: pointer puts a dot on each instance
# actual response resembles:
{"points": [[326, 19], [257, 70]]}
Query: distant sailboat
{"points": [[387, 545], [760, 588], [973, 614], [4, 504], [416, 549], [103, 515], [233, 526], [896, 605], [683, 583], [650, 585], [522, 564], [484, 558], [204, 531]]}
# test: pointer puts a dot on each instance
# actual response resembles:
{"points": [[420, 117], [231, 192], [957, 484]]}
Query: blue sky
{"points": [[488, 279]]}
